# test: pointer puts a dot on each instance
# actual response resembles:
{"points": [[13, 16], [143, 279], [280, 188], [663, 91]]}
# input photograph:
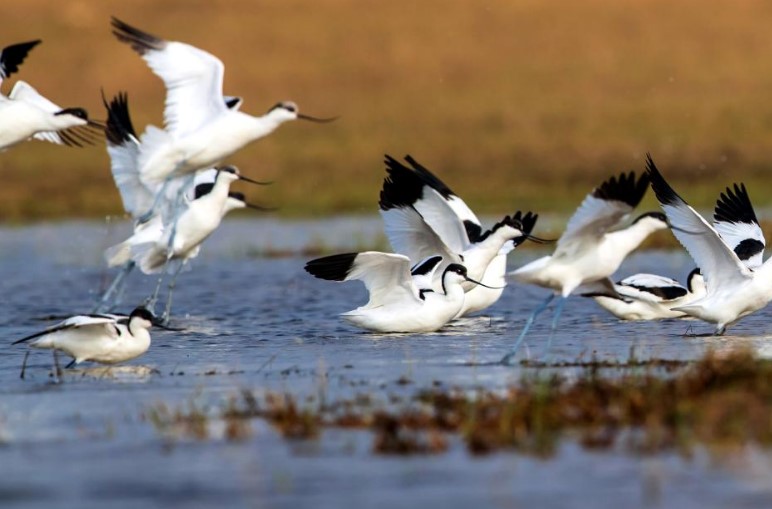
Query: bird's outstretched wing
{"points": [[386, 276], [193, 78], [601, 210], [717, 261]]}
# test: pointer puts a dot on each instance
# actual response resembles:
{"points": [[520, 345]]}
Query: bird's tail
{"points": [[149, 257], [118, 254]]}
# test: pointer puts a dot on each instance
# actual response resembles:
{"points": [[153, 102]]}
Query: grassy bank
{"points": [[523, 104]]}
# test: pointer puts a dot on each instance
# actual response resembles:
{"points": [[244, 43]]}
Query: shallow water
{"points": [[264, 324]]}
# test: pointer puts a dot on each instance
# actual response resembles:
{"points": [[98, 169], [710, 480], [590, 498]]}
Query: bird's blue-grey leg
{"points": [[70, 365], [57, 367], [505, 360], [24, 365], [554, 326], [115, 289], [177, 210], [168, 310], [144, 218]]}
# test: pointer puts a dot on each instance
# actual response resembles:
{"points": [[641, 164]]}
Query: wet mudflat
{"points": [[260, 324]]}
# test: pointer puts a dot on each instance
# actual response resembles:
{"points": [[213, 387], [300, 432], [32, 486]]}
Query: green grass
{"points": [[525, 104]]}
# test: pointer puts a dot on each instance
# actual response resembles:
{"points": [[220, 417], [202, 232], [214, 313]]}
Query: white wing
{"points": [[718, 263], [193, 78], [386, 276], [603, 209], [409, 234], [23, 91], [736, 223], [419, 189]]}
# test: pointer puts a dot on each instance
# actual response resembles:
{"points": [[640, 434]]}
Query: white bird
{"points": [[200, 130], [422, 216], [138, 197], [107, 339], [651, 297], [396, 304], [734, 289], [26, 114], [588, 252], [181, 242]]}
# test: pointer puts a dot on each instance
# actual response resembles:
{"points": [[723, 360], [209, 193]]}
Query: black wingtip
{"points": [[665, 194], [402, 187], [623, 188], [140, 41], [430, 178], [332, 268], [734, 206], [11, 57], [119, 128]]}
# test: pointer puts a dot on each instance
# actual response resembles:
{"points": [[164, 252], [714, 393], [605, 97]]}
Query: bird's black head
{"points": [[75, 112], [285, 105], [229, 169], [144, 313], [656, 215], [457, 268]]}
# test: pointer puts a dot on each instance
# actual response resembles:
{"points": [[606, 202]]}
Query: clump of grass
{"points": [[718, 402]]}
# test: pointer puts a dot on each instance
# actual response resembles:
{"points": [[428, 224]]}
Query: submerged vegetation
{"points": [[718, 402]]}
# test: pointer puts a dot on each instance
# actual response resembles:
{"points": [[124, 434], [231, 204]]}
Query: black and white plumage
{"points": [[397, 303], [103, 338], [590, 250], [423, 216], [652, 297], [735, 221], [734, 290], [200, 129], [25, 114]]}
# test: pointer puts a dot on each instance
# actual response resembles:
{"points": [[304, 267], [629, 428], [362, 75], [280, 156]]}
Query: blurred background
{"points": [[514, 103]]}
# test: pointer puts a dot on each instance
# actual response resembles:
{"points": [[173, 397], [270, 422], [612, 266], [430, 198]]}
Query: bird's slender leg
{"points": [[115, 288], [57, 367], [151, 301], [178, 207], [508, 357], [24, 365], [70, 365], [554, 326], [168, 310], [720, 330], [144, 218]]}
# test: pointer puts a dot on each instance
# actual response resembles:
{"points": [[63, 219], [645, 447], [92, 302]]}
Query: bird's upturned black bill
{"points": [[481, 284], [316, 119]]}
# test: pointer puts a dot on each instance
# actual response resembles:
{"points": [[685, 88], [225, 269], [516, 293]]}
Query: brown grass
{"points": [[519, 104], [722, 402]]}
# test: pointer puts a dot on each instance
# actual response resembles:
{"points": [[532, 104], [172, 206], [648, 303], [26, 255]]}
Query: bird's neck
{"points": [[625, 241], [264, 125]]}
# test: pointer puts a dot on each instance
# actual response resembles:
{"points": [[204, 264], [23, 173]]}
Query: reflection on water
{"points": [[264, 324]]}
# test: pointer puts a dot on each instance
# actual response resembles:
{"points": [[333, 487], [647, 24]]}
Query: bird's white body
{"points": [[643, 297], [200, 130], [107, 339], [182, 241], [26, 114], [482, 297], [736, 287], [163, 154], [587, 259], [397, 303]]}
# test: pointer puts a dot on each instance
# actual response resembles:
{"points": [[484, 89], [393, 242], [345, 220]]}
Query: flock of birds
{"points": [[445, 264]]}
